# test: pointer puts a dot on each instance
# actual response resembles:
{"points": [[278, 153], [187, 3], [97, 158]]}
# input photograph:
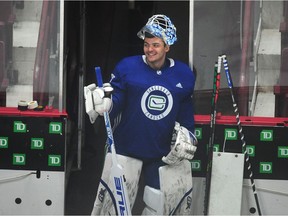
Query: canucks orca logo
{"points": [[156, 102]]}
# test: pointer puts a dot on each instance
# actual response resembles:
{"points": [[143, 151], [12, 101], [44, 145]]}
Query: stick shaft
{"points": [[215, 94], [247, 158], [121, 195], [106, 118]]}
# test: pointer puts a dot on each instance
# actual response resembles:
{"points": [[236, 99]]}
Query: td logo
{"points": [[196, 165], [19, 127], [282, 151], [266, 167], [266, 135], [250, 150], [216, 148], [55, 128], [198, 133], [54, 160], [37, 143], [3, 142], [231, 134], [19, 159]]}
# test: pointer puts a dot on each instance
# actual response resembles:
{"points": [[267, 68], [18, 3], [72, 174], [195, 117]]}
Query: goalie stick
{"points": [[215, 94], [117, 173], [247, 158]]}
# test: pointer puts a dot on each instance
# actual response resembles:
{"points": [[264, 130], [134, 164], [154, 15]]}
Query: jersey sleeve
{"points": [[186, 113]]}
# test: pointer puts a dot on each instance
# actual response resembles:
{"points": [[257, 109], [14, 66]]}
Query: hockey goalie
{"points": [[151, 110]]}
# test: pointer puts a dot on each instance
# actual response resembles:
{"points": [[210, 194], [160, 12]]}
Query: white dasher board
{"points": [[226, 184]]}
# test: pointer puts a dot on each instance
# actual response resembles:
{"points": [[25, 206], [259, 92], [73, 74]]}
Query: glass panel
{"points": [[253, 36], [29, 52]]}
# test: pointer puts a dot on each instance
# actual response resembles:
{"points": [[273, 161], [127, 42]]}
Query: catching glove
{"points": [[183, 145], [97, 100]]}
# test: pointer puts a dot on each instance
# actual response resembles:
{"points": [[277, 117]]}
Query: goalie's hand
{"points": [[97, 100], [183, 146]]}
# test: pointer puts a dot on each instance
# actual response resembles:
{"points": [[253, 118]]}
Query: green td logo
{"points": [[196, 165], [250, 150], [3, 142], [266, 167], [55, 128], [282, 151], [54, 160], [19, 159], [216, 147], [37, 143], [231, 134], [198, 133], [266, 135], [19, 127]]}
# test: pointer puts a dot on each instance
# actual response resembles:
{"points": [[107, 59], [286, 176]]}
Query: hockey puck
{"points": [[22, 105], [32, 105], [39, 108]]}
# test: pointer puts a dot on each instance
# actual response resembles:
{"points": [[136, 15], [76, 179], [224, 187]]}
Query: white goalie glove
{"points": [[183, 146], [97, 100]]}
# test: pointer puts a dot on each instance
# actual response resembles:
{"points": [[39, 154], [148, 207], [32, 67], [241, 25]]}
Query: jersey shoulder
{"points": [[185, 71], [127, 65], [129, 61]]}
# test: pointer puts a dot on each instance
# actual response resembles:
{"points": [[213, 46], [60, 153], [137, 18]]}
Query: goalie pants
{"points": [[150, 171]]}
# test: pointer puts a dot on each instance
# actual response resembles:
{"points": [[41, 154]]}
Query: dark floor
{"points": [[82, 186]]}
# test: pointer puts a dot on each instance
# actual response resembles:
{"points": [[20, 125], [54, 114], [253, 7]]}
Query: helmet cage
{"points": [[160, 26]]}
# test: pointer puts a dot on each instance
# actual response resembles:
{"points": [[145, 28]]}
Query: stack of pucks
{"points": [[22, 105]]}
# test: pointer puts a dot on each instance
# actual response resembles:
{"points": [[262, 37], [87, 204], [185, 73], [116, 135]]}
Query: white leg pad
{"points": [[132, 169], [154, 200], [176, 185]]}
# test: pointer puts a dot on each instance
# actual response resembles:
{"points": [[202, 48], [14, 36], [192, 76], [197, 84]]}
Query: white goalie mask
{"points": [[160, 26]]}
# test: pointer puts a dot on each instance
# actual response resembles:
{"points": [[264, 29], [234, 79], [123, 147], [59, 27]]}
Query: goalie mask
{"points": [[160, 26]]}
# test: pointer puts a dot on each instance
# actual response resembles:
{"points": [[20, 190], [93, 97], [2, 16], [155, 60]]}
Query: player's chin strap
{"points": [[183, 148]]}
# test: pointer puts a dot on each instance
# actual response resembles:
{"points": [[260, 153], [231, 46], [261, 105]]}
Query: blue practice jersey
{"points": [[146, 104]]}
